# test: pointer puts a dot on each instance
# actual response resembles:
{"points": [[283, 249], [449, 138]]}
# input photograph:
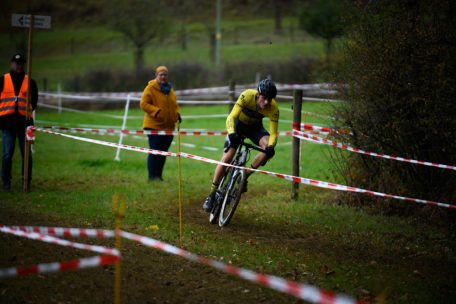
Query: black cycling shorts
{"points": [[253, 132]]}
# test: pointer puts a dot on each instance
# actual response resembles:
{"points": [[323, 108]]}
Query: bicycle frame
{"points": [[230, 189]]}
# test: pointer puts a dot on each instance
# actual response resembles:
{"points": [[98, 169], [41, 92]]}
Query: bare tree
{"points": [[323, 18], [141, 22], [278, 5]]}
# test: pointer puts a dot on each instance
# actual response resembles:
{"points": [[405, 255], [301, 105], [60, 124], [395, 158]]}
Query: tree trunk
{"points": [[328, 49], [183, 36], [278, 17], [139, 61], [212, 46]]}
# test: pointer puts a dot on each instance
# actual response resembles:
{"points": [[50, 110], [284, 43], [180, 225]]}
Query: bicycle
{"points": [[231, 187]]}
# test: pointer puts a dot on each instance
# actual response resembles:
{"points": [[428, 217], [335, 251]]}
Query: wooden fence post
{"points": [[297, 105]]}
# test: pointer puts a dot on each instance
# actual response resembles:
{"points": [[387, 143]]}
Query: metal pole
{"points": [[124, 123], [297, 105], [25, 181], [218, 37]]}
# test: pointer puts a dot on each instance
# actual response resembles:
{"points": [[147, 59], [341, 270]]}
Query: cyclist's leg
{"points": [[229, 150], [220, 170], [227, 157], [259, 136], [261, 158]]}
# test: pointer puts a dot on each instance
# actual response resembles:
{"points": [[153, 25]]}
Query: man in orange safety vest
{"points": [[13, 101]]}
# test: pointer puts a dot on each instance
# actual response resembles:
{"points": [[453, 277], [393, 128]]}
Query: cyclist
{"points": [[245, 120]]}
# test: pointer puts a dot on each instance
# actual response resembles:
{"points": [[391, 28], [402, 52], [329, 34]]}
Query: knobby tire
{"points": [[232, 196], [220, 194]]}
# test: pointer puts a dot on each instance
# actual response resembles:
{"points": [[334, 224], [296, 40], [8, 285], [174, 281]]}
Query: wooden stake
{"points": [[25, 183], [118, 208], [180, 183], [297, 105]]}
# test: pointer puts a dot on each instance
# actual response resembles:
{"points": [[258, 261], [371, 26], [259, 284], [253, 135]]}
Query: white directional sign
{"points": [[21, 20]]}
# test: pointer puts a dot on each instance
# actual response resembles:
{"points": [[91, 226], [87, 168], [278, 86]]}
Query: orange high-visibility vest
{"points": [[9, 101]]}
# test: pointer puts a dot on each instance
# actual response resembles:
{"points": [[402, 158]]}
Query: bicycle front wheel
{"points": [[232, 197], [219, 195]]}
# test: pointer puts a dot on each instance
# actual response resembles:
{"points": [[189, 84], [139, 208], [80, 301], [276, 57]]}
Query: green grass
{"points": [[310, 240]]}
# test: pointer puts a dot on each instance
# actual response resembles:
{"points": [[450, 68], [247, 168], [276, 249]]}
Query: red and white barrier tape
{"points": [[136, 132], [121, 97], [301, 291], [327, 87], [146, 132], [30, 134], [61, 242], [304, 136], [311, 127], [66, 232], [110, 256], [59, 266], [289, 97], [92, 95], [319, 89], [110, 144], [297, 179], [326, 185]]}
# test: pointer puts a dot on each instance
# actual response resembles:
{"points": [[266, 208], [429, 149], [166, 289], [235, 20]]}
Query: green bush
{"points": [[296, 70], [191, 75], [400, 67], [183, 75]]}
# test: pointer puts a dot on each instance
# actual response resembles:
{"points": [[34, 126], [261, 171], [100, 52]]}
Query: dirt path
{"points": [[151, 276], [148, 276]]}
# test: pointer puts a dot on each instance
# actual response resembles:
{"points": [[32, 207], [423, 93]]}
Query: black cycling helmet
{"points": [[267, 88]]}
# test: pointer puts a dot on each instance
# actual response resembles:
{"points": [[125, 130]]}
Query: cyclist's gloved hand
{"points": [[234, 139], [270, 152]]}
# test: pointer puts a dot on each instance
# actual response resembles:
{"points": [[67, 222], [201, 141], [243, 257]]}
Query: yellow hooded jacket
{"points": [[161, 111]]}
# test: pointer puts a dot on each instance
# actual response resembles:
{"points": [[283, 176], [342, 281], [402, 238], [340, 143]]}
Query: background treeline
{"points": [[186, 29], [194, 75]]}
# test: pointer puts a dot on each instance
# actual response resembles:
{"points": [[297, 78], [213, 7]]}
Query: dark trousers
{"points": [[9, 143], [155, 163]]}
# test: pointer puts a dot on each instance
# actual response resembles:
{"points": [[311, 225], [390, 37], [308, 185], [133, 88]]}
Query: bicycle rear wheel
{"points": [[232, 196]]}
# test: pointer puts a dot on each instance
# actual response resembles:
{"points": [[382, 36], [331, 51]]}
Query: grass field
{"points": [[61, 53], [311, 240]]}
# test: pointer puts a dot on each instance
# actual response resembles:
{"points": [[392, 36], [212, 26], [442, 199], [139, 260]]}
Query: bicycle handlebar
{"points": [[254, 147]]}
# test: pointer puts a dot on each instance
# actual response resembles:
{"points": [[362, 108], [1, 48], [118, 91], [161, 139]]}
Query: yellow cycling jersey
{"points": [[247, 111]]}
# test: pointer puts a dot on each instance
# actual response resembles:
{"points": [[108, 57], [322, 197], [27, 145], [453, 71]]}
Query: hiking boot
{"points": [[209, 203]]}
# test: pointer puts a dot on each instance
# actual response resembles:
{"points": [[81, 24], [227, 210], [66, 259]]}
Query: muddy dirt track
{"points": [[148, 276], [152, 276]]}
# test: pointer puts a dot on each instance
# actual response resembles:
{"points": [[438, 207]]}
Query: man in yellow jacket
{"points": [[161, 113]]}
